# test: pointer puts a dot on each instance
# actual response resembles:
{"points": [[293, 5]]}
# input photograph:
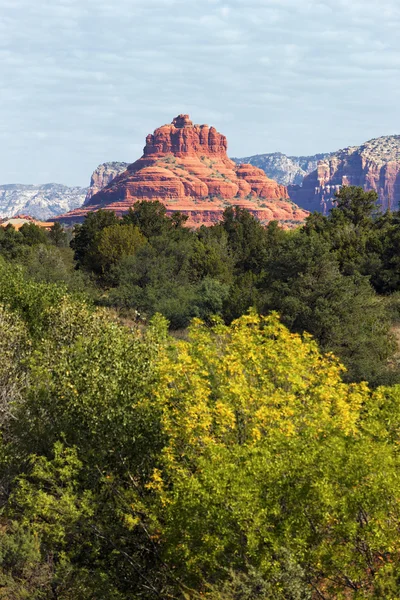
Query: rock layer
{"points": [[374, 166], [103, 175], [286, 170], [186, 167]]}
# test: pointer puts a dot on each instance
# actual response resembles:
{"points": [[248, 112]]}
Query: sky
{"points": [[84, 81]]}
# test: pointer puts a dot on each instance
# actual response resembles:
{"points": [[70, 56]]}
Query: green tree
{"points": [[304, 284], [246, 238], [57, 235], [150, 217], [211, 295], [86, 239], [356, 205], [11, 242], [210, 257], [243, 294], [28, 299], [159, 278], [33, 234], [117, 242]]}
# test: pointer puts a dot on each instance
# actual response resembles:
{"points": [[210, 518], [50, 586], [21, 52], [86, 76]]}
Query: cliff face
{"points": [[186, 167], [374, 166], [39, 201], [286, 170], [103, 175]]}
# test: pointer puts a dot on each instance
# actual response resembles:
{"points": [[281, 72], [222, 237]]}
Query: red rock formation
{"points": [[186, 167], [374, 166]]}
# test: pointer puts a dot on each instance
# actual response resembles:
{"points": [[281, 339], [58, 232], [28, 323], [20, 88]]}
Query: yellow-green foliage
{"points": [[253, 381], [232, 462], [267, 449], [118, 241]]}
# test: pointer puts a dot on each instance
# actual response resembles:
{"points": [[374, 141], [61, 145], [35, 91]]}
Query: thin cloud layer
{"points": [[84, 81]]}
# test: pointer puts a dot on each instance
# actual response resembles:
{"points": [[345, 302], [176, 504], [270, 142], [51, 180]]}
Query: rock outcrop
{"points": [[286, 170], [186, 167], [39, 201], [103, 175], [374, 166]]}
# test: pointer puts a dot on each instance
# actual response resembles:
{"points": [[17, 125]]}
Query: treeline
{"points": [[45, 255], [336, 277], [235, 465]]}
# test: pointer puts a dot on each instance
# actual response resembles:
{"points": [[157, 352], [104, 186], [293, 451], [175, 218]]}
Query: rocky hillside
{"points": [[374, 166], [186, 167], [39, 201], [103, 175], [284, 169]]}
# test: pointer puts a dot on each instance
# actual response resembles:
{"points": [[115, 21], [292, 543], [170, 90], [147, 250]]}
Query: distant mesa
{"points": [[286, 170], [186, 167], [373, 166], [39, 201]]}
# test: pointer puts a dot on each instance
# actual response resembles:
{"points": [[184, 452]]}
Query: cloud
{"points": [[84, 81]]}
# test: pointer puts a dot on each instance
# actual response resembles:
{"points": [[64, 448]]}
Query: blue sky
{"points": [[84, 81]]}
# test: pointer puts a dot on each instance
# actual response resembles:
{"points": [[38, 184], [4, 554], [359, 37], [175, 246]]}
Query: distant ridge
{"points": [[42, 202], [375, 165], [286, 170]]}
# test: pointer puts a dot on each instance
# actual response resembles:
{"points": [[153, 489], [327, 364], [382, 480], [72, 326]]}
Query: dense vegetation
{"points": [[240, 462], [335, 278]]}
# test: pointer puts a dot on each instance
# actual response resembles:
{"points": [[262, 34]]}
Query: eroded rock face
{"points": [[286, 170], [186, 167], [103, 175], [374, 166]]}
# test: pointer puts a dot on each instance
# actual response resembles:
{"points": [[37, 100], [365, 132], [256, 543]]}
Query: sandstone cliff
{"points": [[284, 169], [103, 175], [186, 167], [374, 166]]}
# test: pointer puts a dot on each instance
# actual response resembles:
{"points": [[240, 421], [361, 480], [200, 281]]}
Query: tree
{"points": [[356, 205], [117, 242], [249, 584], [243, 294], [28, 299], [150, 217], [159, 278], [211, 295], [14, 349], [33, 234], [236, 464], [265, 466], [86, 239], [304, 284], [11, 242], [178, 220], [57, 235], [246, 238], [210, 257], [355, 232]]}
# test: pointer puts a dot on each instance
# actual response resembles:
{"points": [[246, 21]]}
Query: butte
{"points": [[186, 167]]}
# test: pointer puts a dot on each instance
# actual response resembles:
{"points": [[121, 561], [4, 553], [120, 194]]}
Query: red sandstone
{"points": [[186, 167]]}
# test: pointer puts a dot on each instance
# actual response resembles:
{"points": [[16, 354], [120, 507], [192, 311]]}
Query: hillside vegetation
{"points": [[242, 461]]}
